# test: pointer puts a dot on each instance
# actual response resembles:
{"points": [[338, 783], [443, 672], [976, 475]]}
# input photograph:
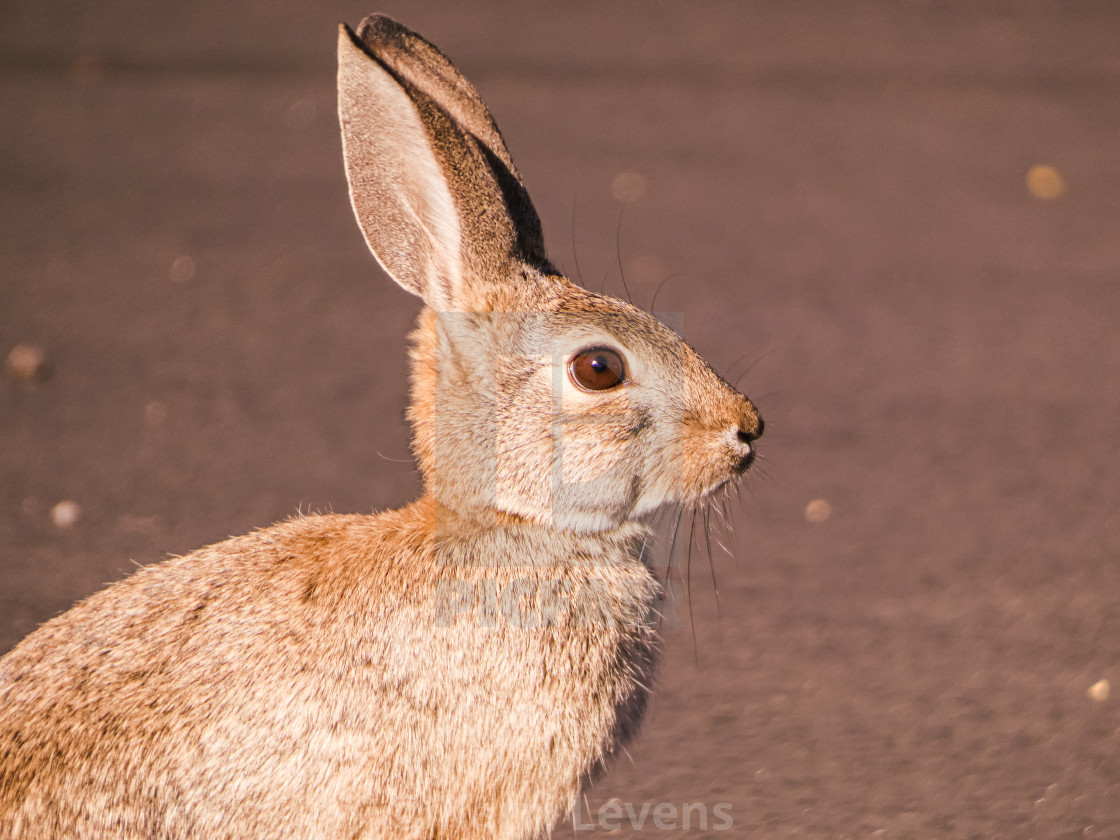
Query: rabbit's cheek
{"points": [[601, 440], [588, 452], [522, 451]]}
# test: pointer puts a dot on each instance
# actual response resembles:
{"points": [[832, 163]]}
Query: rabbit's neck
{"points": [[520, 575], [494, 538]]}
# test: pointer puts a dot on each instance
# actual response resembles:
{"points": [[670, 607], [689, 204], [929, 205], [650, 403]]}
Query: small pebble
{"points": [[27, 362], [1045, 182], [182, 269], [818, 511], [1100, 690], [628, 186], [66, 514]]}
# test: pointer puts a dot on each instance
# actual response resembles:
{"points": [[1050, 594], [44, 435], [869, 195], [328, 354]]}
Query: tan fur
{"points": [[453, 669]]}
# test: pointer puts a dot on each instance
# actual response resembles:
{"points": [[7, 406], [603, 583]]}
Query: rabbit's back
{"points": [[399, 675]]}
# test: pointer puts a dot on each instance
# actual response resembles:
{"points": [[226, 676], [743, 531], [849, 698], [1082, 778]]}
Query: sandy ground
{"points": [[925, 586]]}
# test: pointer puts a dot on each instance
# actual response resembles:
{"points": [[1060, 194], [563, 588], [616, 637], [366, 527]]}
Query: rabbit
{"points": [[455, 669]]}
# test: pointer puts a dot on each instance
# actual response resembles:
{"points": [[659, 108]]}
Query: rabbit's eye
{"points": [[597, 369]]}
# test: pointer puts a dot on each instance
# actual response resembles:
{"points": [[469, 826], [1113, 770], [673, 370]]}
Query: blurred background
{"points": [[898, 222]]}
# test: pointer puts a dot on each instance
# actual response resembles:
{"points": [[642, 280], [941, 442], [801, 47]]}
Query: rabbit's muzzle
{"points": [[751, 427]]}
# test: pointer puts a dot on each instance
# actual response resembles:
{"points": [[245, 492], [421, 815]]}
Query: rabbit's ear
{"points": [[435, 192]]}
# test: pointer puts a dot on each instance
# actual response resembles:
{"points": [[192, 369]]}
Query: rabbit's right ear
{"points": [[434, 190]]}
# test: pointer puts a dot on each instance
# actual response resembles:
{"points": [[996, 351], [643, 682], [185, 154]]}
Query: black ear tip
{"points": [[370, 23], [374, 33], [379, 28]]}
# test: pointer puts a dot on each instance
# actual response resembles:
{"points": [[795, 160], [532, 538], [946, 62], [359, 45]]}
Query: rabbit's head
{"points": [[532, 397]]}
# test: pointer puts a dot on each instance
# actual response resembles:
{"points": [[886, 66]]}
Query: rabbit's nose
{"points": [[750, 431]]}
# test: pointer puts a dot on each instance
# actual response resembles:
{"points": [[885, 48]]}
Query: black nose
{"points": [[754, 434]]}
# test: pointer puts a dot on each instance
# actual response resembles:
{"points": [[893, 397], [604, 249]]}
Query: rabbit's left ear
{"points": [[435, 192]]}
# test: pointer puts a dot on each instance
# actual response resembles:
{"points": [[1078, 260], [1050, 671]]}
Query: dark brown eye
{"points": [[597, 369]]}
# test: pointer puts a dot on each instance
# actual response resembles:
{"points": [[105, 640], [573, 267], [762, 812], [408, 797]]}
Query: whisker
{"points": [[750, 367], [618, 253], [642, 550], [660, 286], [688, 590], [728, 530], [575, 251], [603, 282], [726, 550], [669, 563], [736, 363], [711, 563], [766, 396], [385, 457]]}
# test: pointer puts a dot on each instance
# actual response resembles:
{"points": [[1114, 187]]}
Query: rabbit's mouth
{"points": [[745, 437], [738, 467], [745, 462]]}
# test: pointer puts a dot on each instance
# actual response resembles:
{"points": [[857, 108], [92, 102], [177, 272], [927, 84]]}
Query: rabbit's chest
{"points": [[539, 662], [520, 686]]}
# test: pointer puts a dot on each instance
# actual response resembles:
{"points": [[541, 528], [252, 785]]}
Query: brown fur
{"points": [[452, 669], [287, 683]]}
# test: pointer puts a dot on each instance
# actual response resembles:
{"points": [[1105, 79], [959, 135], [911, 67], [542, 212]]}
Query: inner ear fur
{"points": [[435, 192]]}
